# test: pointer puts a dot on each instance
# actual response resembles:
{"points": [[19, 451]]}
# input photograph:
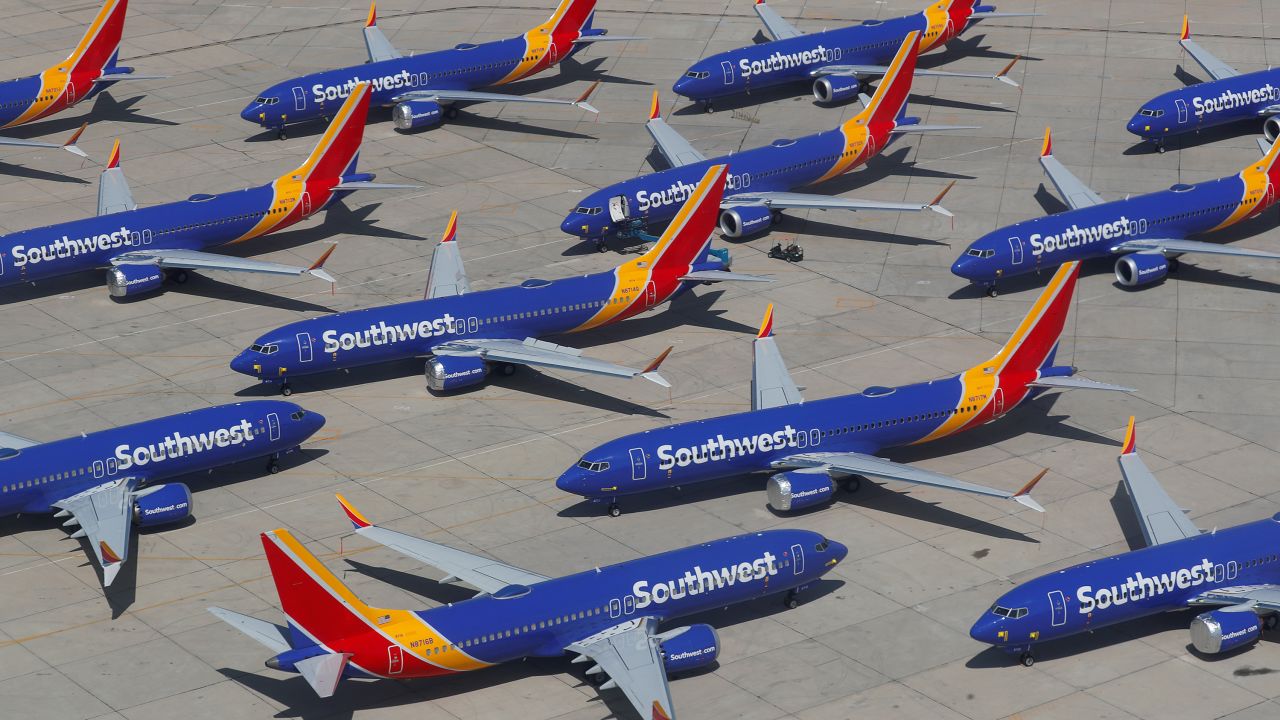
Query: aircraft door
{"points": [[1218, 572], [71, 92], [1182, 110], [552, 52], [1058, 604], [797, 560], [999, 402], [615, 608], [273, 426], [650, 294], [619, 208], [146, 237], [304, 347], [1, 264], [473, 325], [628, 604], [815, 437], [98, 469], [728, 72], [638, 467], [112, 467], [299, 99], [1232, 569], [395, 660], [1015, 247], [306, 203]]}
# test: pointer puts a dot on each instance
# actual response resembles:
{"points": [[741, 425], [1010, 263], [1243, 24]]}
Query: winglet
{"points": [[109, 556], [650, 372], [354, 515], [70, 144], [582, 99], [1047, 149], [373, 15], [658, 712], [451, 230], [758, 2], [1003, 75], [1023, 496], [317, 267], [1186, 28], [935, 204], [655, 111], [766, 325], [113, 160], [1130, 439]]}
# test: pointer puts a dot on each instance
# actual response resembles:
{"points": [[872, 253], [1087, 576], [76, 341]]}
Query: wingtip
{"points": [[1130, 439], [109, 556], [659, 712], [319, 263], [372, 20], [451, 230], [1003, 75], [582, 99], [113, 161], [655, 110], [766, 325], [1023, 496], [1186, 28], [355, 516], [657, 362], [1047, 148], [76, 135]]}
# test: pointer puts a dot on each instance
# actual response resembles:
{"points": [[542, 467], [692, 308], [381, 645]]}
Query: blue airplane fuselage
{"points": [[35, 477], [1131, 585], [1208, 104]]}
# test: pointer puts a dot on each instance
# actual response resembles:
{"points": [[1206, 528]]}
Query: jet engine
{"points": [[445, 373], [745, 220], [130, 280], [689, 648], [162, 505], [799, 489], [417, 114], [1271, 128], [835, 88], [1143, 268], [1219, 631]]}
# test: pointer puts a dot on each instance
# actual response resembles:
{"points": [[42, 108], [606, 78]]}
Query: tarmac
{"points": [[873, 303]]}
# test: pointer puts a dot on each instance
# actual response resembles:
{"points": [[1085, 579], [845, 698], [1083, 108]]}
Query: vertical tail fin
{"points": [[890, 98], [571, 16], [316, 602], [336, 152], [97, 49], [1036, 338], [687, 237]]}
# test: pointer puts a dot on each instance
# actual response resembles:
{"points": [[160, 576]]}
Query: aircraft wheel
{"points": [[1160, 148], [614, 510], [508, 369], [451, 113], [280, 134], [851, 484], [1027, 659], [286, 390], [792, 601], [992, 292], [273, 466], [707, 107]]}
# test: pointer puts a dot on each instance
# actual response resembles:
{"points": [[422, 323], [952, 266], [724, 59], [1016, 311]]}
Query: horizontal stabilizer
{"points": [[931, 128], [1078, 383], [322, 672], [723, 275], [994, 14], [117, 77], [607, 38], [271, 636], [360, 185]]}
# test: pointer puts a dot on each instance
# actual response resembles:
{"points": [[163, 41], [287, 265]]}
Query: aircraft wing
{"points": [[872, 466], [114, 194], [532, 351], [771, 383], [722, 276], [484, 573], [630, 654], [69, 145], [1075, 192], [865, 71], [1207, 60], [811, 201], [1242, 597], [379, 47], [1077, 383], [15, 442], [1177, 246], [196, 260], [778, 29], [448, 276], [671, 144], [444, 95], [1161, 518], [105, 516]]}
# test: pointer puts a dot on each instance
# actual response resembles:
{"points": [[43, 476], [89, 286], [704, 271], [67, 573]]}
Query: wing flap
{"points": [[196, 260], [446, 95], [532, 351], [809, 201], [630, 654], [1170, 246], [1246, 597], [1077, 383]]}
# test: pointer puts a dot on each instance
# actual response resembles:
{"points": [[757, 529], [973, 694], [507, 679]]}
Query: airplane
{"points": [[423, 90], [609, 616], [1231, 571], [1148, 232], [1228, 97], [107, 481], [838, 62], [140, 247], [465, 334], [809, 446], [761, 179], [88, 70]]}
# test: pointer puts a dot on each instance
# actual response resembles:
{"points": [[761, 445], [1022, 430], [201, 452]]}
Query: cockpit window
{"points": [[584, 210], [1148, 112], [822, 546], [266, 100], [1011, 613], [975, 252], [593, 466], [698, 75], [265, 349], [298, 415]]}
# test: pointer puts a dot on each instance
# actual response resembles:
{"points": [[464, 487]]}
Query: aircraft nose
{"points": [[571, 481], [246, 363], [250, 112], [683, 87], [315, 420], [838, 550], [986, 629], [963, 267]]}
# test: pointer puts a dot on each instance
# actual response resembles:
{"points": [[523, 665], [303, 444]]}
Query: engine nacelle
{"points": [[835, 88], [1271, 128], [799, 489], [130, 280], [1219, 631], [417, 114], [1142, 268], [445, 373], [696, 646], [162, 505], [745, 220]]}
